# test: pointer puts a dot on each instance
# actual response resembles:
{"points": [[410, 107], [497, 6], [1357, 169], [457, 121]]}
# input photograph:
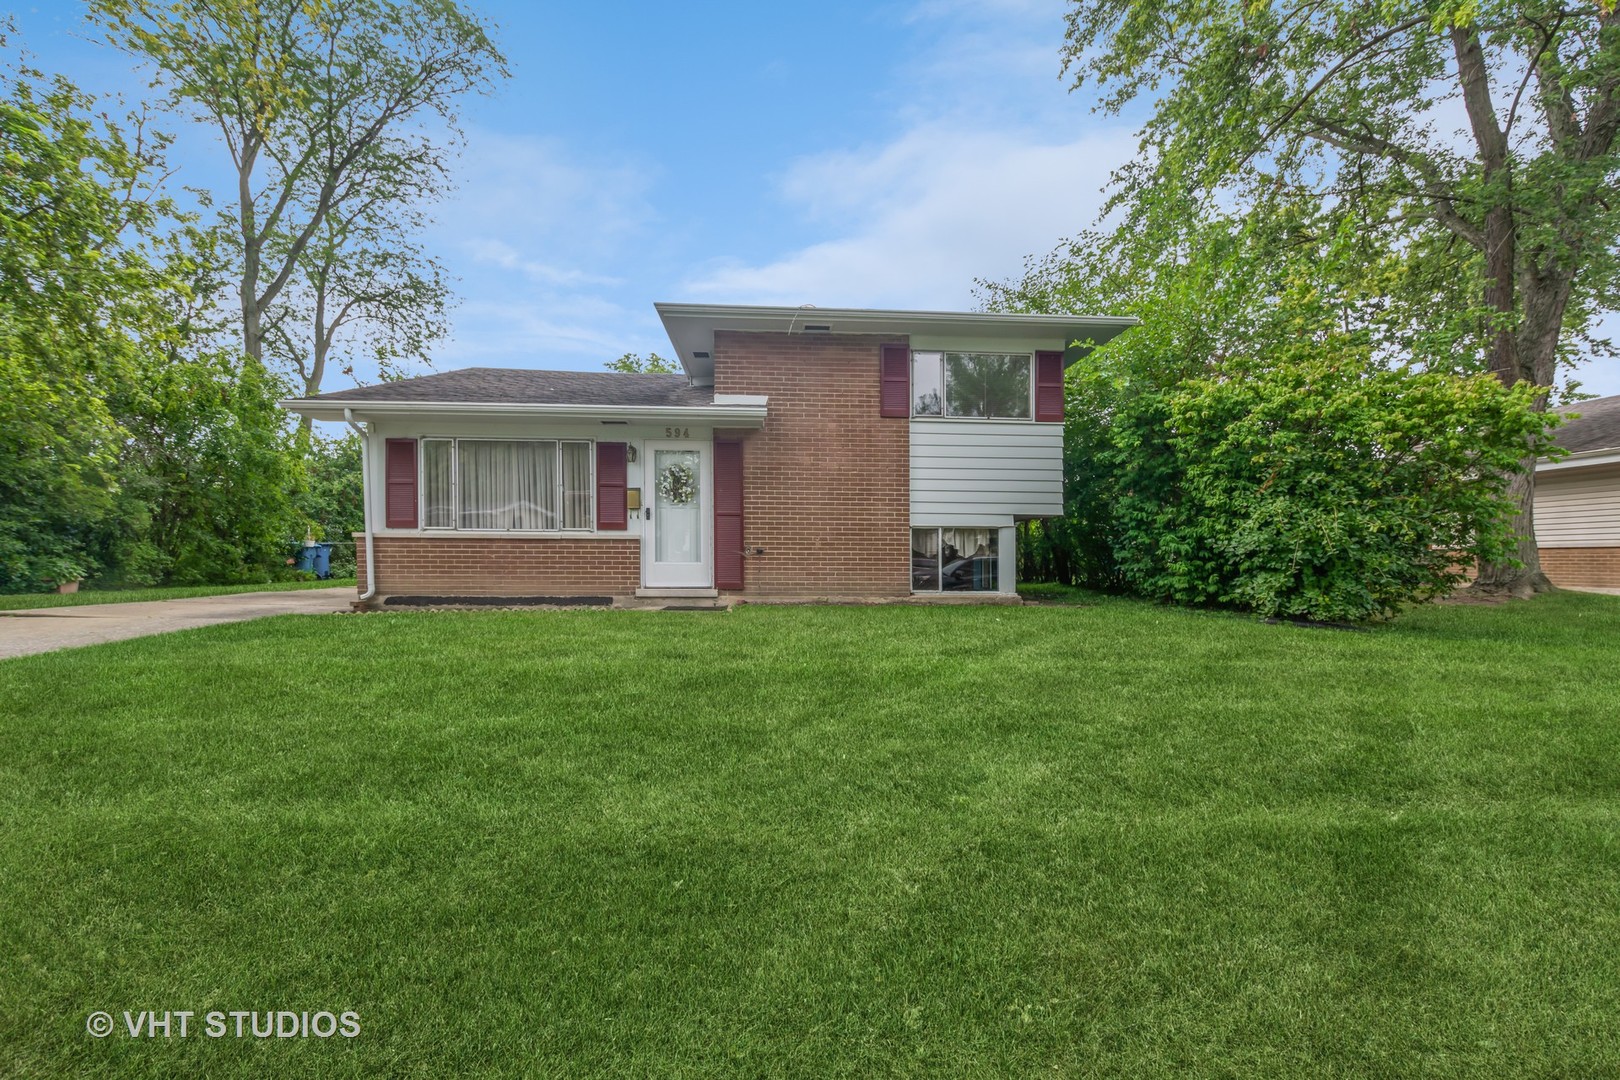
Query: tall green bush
{"points": [[1292, 429], [76, 289], [1314, 487], [132, 449]]}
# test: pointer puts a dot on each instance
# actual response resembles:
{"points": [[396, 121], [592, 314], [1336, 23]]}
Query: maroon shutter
{"points": [[1049, 386], [728, 515], [610, 482], [895, 374], [399, 484]]}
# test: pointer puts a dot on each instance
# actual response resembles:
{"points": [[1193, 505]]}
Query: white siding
{"points": [[985, 472], [1578, 507]]}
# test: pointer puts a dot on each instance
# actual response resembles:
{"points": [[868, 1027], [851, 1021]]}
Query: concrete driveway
{"points": [[40, 630]]}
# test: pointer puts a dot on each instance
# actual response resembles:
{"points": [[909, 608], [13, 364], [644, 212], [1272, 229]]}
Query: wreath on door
{"points": [[677, 484]]}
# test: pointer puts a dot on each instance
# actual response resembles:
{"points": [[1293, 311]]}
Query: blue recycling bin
{"points": [[315, 559]]}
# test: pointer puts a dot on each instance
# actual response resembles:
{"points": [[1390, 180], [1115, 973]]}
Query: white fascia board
{"points": [[736, 416], [1605, 456], [691, 327]]}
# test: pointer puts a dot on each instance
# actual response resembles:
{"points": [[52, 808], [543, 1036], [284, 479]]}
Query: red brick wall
{"points": [[503, 566], [826, 484], [1588, 566]]}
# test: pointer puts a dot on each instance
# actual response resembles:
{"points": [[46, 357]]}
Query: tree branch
{"points": [[1444, 205], [1355, 56]]}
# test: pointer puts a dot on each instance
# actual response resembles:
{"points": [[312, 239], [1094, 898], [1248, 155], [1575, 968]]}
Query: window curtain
{"points": [[576, 485], [508, 485], [438, 503], [968, 560]]}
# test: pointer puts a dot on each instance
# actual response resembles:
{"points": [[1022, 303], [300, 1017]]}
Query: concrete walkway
{"points": [[38, 630]]}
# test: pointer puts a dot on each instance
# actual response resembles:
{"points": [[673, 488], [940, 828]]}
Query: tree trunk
{"points": [[248, 288], [1506, 578], [322, 341], [1505, 288], [1545, 297]]}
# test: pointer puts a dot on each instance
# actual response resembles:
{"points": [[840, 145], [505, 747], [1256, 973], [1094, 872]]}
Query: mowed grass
{"points": [[1114, 840], [24, 601]]}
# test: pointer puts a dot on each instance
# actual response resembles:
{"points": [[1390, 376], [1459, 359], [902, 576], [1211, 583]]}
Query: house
{"points": [[1577, 508], [804, 453]]}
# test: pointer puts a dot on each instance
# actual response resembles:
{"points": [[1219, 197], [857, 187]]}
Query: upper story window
{"points": [[971, 384]]}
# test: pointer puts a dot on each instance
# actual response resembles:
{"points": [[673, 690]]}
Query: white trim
{"points": [[515, 534], [1007, 552], [741, 399], [1606, 456], [735, 416], [691, 327]]}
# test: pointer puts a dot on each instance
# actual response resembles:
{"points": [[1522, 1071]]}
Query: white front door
{"points": [[677, 548]]}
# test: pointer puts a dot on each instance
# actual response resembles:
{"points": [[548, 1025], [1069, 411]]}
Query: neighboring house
{"points": [[805, 453], [1578, 498]]}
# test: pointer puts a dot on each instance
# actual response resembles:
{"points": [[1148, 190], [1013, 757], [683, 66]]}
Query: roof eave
{"points": [[1606, 455], [737, 416], [691, 327]]}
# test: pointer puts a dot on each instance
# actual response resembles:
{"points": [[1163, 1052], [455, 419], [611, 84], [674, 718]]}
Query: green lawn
{"points": [[1110, 840], [21, 601]]}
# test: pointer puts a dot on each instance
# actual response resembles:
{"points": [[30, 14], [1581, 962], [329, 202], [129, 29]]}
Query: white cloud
{"points": [[534, 232], [919, 219], [503, 255], [992, 161], [506, 333], [534, 193]]}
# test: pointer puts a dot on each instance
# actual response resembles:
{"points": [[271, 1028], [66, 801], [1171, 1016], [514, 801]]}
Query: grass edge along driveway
{"points": [[29, 601], [1116, 840]]}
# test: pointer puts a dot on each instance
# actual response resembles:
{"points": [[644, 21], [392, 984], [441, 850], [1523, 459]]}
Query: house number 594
{"points": [[677, 433]]}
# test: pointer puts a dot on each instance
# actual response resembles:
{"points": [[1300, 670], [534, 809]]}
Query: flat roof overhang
{"points": [[730, 416], [1604, 456], [691, 327]]}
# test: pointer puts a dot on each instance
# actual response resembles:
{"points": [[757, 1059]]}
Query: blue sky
{"points": [[859, 154]]}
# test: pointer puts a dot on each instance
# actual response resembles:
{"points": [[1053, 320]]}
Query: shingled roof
{"points": [[521, 386], [1596, 428]]}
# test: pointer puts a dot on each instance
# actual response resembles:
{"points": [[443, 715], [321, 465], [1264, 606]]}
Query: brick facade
{"points": [[502, 566], [1590, 567], [827, 486]]}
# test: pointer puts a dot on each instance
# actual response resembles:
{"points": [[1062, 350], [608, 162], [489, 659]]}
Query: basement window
{"points": [[955, 560]]}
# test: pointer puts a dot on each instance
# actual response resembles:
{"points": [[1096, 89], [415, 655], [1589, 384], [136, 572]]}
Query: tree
{"points": [[364, 284], [131, 451], [634, 363], [1342, 105], [208, 472], [321, 104], [79, 288], [1257, 441]]}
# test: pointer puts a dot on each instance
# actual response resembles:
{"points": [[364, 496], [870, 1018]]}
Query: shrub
{"points": [[1314, 488]]}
